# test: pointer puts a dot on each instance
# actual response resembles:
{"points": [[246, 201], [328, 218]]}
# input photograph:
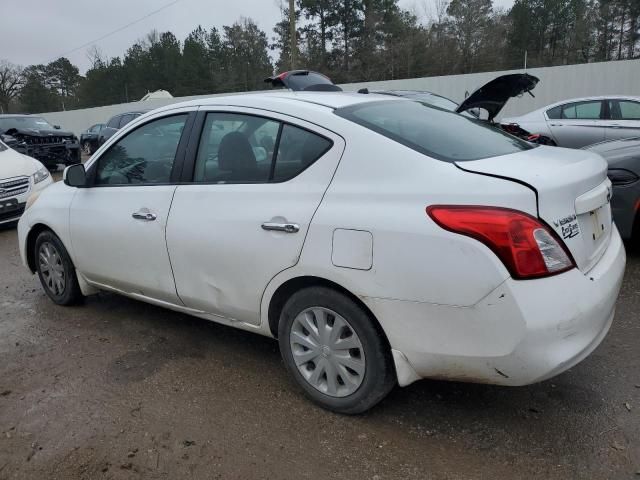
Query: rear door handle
{"points": [[144, 214], [281, 227]]}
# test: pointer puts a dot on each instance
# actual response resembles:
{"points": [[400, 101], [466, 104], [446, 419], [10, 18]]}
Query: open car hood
{"points": [[493, 96]]}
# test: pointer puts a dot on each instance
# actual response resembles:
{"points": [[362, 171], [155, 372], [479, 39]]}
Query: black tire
{"points": [[379, 375], [70, 294]]}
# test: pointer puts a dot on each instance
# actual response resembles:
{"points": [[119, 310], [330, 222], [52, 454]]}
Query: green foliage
{"points": [[349, 40]]}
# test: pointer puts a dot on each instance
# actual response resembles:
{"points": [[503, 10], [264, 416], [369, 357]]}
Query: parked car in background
{"points": [[623, 157], [115, 123], [89, 138], [262, 212], [34, 136], [20, 176], [583, 121]]}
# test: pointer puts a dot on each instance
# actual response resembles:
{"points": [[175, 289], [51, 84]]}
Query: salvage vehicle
{"points": [[623, 157], [34, 136], [115, 123], [579, 122], [380, 240], [89, 138], [20, 176]]}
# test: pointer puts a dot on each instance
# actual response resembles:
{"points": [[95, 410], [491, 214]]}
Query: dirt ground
{"points": [[119, 389]]}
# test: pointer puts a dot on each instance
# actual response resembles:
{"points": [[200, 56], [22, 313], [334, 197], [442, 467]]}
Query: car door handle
{"points": [[281, 227], [145, 215]]}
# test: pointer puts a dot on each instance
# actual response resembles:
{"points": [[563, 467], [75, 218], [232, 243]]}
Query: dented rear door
{"points": [[228, 238]]}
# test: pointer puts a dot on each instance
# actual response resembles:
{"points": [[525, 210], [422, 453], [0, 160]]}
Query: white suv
{"points": [[379, 239], [20, 177]]}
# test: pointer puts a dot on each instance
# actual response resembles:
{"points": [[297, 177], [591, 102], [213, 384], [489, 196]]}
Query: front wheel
{"points": [[55, 270], [334, 351]]}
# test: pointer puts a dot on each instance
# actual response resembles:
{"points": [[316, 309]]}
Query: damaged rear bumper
{"points": [[523, 332]]}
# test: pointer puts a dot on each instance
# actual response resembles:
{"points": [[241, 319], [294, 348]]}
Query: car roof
{"points": [[328, 100]]}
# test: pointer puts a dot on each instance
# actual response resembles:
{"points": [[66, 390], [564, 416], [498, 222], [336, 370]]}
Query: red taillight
{"points": [[525, 245], [534, 137]]}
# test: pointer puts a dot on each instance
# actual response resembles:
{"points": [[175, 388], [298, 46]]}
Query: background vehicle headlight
{"points": [[40, 175]]}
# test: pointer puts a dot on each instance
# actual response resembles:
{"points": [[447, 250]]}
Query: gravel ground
{"points": [[120, 389]]}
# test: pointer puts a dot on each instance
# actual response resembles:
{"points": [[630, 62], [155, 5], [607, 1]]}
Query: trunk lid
{"points": [[573, 194], [493, 96]]}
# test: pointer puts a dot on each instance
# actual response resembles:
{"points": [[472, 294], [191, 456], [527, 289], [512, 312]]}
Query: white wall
{"points": [[556, 83]]}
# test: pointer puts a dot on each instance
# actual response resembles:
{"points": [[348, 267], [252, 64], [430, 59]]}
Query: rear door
{"points": [[579, 124], [624, 119], [255, 181]]}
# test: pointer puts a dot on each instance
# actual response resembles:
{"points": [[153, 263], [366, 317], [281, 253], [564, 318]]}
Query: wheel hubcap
{"points": [[51, 268], [327, 351]]}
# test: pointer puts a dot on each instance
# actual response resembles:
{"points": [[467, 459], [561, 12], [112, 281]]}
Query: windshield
{"points": [[433, 131], [35, 123]]}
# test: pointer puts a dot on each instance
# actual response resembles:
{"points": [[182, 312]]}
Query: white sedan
{"points": [[20, 177], [380, 240]]}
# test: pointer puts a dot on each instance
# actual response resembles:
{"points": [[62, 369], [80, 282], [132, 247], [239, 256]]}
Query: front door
{"points": [[257, 181], [118, 222], [580, 124]]}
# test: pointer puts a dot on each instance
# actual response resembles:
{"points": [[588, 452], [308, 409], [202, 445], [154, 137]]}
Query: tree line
{"points": [[349, 40]]}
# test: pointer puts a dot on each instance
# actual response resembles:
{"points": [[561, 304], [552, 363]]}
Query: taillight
{"points": [[527, 247]]}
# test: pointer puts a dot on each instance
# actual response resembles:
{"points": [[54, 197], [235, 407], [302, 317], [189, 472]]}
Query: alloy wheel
{"points": [[327, 351]]}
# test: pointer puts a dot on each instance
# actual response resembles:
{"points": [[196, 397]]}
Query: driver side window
{"points": [[144, 156]]}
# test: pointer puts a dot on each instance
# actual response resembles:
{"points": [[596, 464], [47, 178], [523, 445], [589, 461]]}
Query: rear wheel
{"points": [[56, 270], [334, 351]]}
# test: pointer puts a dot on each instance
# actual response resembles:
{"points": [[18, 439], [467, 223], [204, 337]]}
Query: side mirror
{"points": [[57, 127], [75, 175]]}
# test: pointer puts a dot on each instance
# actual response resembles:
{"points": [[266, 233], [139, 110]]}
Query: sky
{"points": [[31, 35]]}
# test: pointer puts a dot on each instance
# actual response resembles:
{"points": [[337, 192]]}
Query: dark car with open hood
{"points": [[34, 136]]}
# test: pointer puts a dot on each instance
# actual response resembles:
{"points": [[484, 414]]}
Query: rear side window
{"points": [[239, 148], [555, 113], [582, 110], [114, 122], [435, 132], [297, 150], [624, 110]]}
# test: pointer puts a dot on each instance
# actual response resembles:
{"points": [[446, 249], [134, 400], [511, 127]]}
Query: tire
{"points": [[56, 270], [359, 362]]}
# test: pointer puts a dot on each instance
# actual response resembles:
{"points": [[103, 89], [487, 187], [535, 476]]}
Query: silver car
{"points": [[583, 121]]}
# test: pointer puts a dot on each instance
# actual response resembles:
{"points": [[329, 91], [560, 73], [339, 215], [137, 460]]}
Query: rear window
{"points": [[435, 132]]}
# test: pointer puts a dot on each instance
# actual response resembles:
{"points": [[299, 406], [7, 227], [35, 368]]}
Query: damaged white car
{"points": [[380, 240]]}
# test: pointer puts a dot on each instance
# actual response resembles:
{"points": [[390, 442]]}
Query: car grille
{"points": [[14, 187]]}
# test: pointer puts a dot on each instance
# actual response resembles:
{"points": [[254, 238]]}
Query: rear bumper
{"points": [[523, 332]]}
